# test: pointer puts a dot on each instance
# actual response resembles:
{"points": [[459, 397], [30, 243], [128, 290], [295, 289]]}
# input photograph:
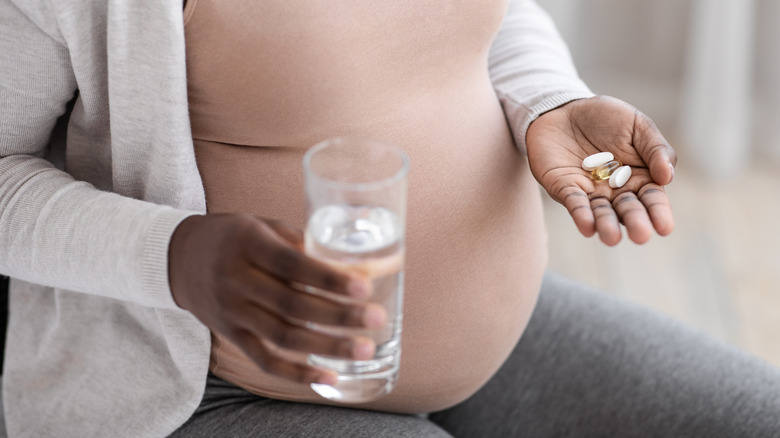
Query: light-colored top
{"points": [[96, 345]]}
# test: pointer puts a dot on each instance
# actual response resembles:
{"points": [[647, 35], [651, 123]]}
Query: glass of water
{"points": [[356, 210]]}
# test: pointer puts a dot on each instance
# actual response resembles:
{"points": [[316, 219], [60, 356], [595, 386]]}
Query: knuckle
{"points": [[603, 210], [649, 191], [245, 220], [331, 282], [574, 198], [350, 316], [242, 225], [270, 363], [221, 296], [246, 340], [604, 214], [559, 191], [622, 199], [632, 213], [642, 122], [285, 262], [283, 336], [654, 206], [344, 347], [288, 305], [656, 148], [579, 209]]}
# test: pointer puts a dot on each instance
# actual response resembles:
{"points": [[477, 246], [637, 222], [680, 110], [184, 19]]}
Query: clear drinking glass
{"points": [[356, 209]]}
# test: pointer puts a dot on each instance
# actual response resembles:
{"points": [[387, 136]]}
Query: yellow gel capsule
{"points": [[604, 171]]}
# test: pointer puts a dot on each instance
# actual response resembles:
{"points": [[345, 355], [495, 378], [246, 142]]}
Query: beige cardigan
{"points": [[96, 345]]}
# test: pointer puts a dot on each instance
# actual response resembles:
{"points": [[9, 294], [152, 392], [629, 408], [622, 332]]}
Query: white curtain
{"points": [[707, 71]]}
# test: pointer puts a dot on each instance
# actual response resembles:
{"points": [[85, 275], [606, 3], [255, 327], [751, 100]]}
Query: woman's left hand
{"points": [[560, 139]]}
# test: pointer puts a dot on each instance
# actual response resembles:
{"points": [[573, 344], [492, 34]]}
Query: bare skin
{"points": [[242, 276], [559, 140]]}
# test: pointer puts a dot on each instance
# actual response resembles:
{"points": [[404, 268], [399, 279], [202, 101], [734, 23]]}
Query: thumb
{"points": [[655, 151]]}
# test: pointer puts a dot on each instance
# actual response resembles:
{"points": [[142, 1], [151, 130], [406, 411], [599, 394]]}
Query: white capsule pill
{"points": [[593, 161], [619, 177]]}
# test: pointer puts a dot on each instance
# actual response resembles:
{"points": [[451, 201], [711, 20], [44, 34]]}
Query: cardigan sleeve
{"points": [[55, 230], [531, 67]]}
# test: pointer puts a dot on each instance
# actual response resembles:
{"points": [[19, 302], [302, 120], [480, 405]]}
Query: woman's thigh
{"points": [[231, 412], [592, 365]]}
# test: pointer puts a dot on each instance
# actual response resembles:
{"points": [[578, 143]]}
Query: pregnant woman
{"points": [[155, 275]]}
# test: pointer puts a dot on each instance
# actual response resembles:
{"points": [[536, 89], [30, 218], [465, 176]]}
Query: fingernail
{"points": [[671, 167], [359, 288], [374, 316], [363, 349]]}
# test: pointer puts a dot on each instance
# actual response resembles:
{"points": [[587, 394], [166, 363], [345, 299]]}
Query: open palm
{"points": [[560, 139]]}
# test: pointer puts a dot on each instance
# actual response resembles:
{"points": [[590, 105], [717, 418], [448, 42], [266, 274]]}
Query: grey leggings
{"points": [[589, 365]]}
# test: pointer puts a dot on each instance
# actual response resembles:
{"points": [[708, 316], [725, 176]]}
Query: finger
{"points": [[607, 224], [274, 255], [658, 208], [292, 235], [634, 216], [654, 149], [283, 300], [289, 336], [272, 363], [578, 205]]}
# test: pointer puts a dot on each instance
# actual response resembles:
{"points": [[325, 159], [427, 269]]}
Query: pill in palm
{"points": [[619, 177], [593, 161], [604, 171]]}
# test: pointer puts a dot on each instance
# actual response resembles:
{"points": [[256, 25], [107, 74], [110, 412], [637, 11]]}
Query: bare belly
{"points": [[476, 244]]}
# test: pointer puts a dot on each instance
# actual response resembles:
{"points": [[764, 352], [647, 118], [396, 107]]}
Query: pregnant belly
{"points": [[476, 245]]}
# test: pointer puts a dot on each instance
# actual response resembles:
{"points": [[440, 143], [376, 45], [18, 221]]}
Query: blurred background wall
{"points": [[708, 73]]}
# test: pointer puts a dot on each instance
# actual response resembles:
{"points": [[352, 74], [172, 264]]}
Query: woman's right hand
{"points": [[242, 276]]}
